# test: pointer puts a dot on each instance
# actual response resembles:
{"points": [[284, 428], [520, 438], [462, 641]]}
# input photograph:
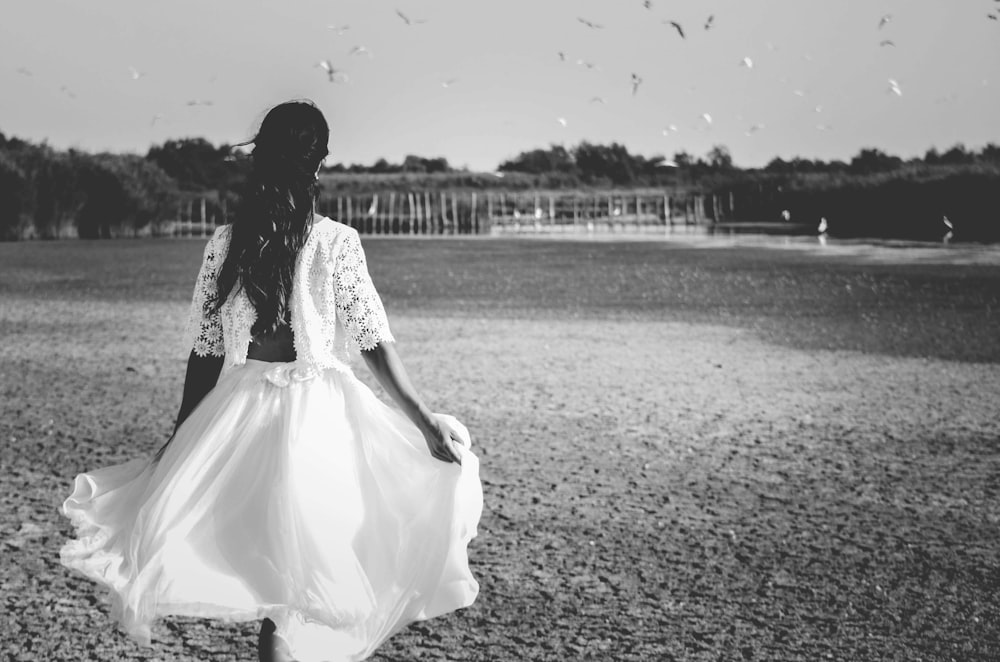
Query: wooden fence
{"points": [[490, 212]]}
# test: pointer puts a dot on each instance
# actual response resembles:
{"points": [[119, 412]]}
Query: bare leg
{"points": [[272, 647]]}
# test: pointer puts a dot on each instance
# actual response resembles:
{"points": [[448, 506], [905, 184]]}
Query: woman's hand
{"points": [[442, 435], [441, 432]]}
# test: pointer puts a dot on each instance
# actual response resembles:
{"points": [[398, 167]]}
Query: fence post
{"points": [[428, 213], [474, 221]]}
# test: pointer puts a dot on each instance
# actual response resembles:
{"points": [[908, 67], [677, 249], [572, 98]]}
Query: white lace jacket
{"points": [[334, 305]]}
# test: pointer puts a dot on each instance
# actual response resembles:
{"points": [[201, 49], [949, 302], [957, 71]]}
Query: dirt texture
{"points": [[657, 487]]}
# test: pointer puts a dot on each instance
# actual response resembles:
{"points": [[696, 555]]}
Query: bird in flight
{"points": [[648, 4], [882, 22], [707, 118], [360, 50], [676, 26], [894, 87], [886, 42], [599, 100], [636, 82], [746, 62], [754, 129], [410, 21], [194, 102], [23, 71], [156, 118], [562, 120], [710, 22], [339, 29], [334, 75], [136, 74], [589, 24], [448, 83]]}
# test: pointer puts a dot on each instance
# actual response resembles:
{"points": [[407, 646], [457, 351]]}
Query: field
{"points": [[688, 452]]}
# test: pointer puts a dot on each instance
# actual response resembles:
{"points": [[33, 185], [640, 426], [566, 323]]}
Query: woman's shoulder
{"points": [[221, 233], [330, 230]]}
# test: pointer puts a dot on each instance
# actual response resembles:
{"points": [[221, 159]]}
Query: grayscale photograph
{"points": [[525, 331]]}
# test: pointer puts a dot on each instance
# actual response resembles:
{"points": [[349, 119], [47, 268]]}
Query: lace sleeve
{"points": [[204, 328], [358, 304]]}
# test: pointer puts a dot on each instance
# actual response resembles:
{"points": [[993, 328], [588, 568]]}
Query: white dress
{"points": [[291, 492]]}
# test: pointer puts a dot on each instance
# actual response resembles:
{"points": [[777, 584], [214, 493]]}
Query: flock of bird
{"points": [[337, 75]]}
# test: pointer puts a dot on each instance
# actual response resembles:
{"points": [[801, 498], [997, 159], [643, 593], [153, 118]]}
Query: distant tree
{"points": [[957, 155], [932, 156], [198, 165], [413, 163], [683, 159], [719, 158], [990, 153], [611, 162], [541, 161], [383, 167], [871, 160], [13, 189], [438, 164]]}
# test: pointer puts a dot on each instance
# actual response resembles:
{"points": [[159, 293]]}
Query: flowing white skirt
{"points": [[306, 500]]}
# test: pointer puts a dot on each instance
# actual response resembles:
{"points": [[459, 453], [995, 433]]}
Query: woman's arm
{"points": [[201, 377], [388, 369]]}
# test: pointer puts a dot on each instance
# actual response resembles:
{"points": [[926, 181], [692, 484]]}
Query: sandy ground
{"points": [[654, 490]]}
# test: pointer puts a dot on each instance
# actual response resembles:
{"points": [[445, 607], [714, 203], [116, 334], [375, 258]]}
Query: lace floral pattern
{"points": [[335, 307], [358, 305], [204, 328]]}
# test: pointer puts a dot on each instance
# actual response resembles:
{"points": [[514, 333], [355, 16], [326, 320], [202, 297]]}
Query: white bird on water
{"points": [[822, 228], [951, 229]]}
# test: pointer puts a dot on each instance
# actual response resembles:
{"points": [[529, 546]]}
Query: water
{"points": [[887, 251]]}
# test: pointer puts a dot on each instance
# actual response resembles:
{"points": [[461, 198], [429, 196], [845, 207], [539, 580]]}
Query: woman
{"points": [[288, 492]]}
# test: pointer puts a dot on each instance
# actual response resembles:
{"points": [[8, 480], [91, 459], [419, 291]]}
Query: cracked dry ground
{"points": [[657, 486]]}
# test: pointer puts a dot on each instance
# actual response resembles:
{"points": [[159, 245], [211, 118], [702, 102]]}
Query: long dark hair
{"points": [[275, 212]]}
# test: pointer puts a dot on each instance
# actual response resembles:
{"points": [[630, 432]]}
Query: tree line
{"points": [[45, 192]]}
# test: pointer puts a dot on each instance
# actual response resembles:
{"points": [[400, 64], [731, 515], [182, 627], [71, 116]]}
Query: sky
{"points": [[479, 82]]}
